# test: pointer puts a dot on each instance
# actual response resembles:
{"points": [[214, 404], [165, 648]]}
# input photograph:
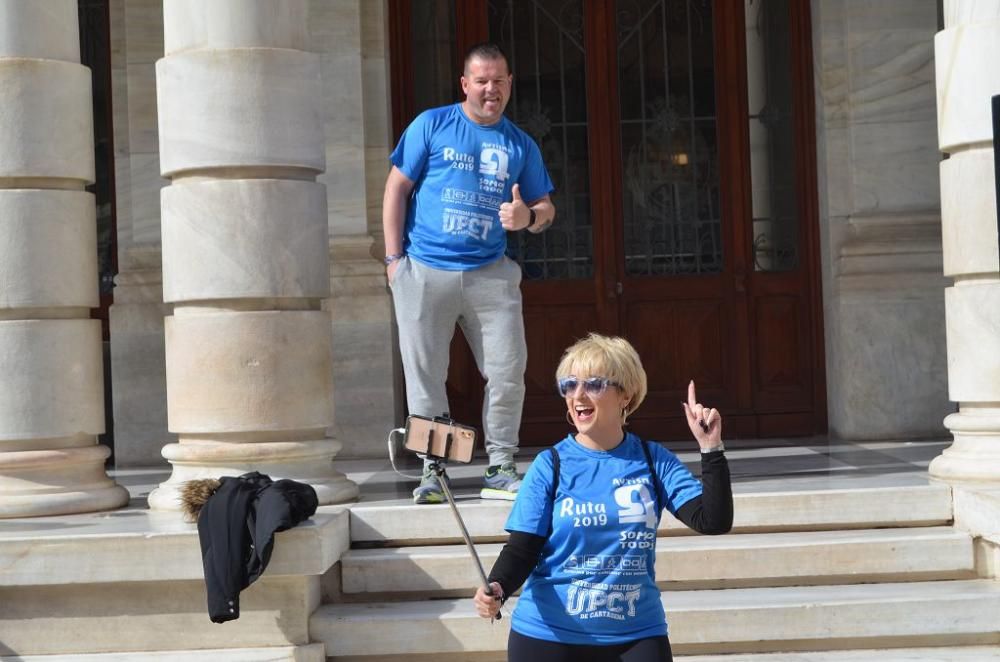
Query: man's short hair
{"points": [[485, 50]]}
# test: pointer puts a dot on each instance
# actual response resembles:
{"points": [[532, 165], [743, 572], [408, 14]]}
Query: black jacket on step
{"points": [[236, 529]]}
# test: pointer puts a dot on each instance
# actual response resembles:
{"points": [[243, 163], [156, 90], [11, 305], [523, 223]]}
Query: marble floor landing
{"points": [[781, 465], [773, 466]]}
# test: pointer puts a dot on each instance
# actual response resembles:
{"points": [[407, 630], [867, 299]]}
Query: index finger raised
{"points": [[692, 396]]}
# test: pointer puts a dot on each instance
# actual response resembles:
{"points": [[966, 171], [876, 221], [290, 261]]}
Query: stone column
{"points": [[51, 374], [245, 249], [966, 53]]}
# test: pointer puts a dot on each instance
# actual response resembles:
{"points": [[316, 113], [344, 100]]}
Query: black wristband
{"points": [[531, 218]]}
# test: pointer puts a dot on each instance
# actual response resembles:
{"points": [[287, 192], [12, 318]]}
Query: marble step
{"points": [[936, 654], [703, 622], [315, 653], [939, 654], [814, 510], [750, 559]]}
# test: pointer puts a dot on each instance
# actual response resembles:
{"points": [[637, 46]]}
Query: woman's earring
{"points": [[569, 419]]}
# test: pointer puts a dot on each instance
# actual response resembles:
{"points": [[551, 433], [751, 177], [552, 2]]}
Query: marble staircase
{"points": [[806, 575], [842, 552]]}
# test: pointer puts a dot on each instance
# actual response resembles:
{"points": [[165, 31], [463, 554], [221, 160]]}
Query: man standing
{"points": [[461, 176]]}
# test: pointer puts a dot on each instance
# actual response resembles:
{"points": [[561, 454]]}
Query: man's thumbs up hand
{"points": [[515, 215]]}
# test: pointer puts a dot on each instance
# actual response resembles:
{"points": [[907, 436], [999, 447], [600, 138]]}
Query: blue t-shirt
{"points": [[595, 580], [463, 172]]}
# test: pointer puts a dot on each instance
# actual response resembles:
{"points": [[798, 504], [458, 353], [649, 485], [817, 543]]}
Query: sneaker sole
{"points": [[500, 495], [425, 499]]}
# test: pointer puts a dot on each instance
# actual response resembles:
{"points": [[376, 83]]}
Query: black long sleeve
{"points": [[516, 561], [712, 512]]}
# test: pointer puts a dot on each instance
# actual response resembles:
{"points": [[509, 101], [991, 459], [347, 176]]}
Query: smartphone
{"points": [[441, 438]]}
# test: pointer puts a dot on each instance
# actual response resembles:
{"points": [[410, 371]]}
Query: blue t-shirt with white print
{"points": [[463, 171], [595, 581]]}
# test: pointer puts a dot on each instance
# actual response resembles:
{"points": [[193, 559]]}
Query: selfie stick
{"points": [[438, 468]]}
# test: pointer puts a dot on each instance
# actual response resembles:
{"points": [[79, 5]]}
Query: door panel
{"points": [[676, 269], [783, 354], [787, 370], [679, 341], [552, 329]]}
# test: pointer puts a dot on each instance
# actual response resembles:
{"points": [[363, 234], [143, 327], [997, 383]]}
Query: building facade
{"points": [[752, 193], [839, 328]]}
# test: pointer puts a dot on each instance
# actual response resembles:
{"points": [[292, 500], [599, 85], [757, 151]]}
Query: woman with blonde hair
{"points": [[583, 526]]}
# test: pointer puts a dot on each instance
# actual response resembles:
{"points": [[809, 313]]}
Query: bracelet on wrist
{"points": [[531, 218], [389, 259], [718, 447]]}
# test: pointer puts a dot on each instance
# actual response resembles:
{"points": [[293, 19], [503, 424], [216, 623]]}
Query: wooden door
{"points": [[682, 223], [671, 122]]}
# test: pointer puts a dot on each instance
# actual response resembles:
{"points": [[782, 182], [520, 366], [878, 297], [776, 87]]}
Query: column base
{"points": [[57, 482], [974, 457], [304, 461]]}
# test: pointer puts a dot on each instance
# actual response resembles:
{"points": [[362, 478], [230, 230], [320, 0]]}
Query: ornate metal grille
{"points": [[670, 175], [544, 40], [772, 139]]}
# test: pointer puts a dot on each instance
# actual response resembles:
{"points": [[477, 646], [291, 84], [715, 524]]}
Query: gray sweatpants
{"points": [[486, 304]]}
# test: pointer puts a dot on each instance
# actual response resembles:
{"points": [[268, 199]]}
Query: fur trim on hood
{"points": [[194, 494]]}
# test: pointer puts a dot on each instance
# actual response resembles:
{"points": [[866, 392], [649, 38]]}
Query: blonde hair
{"points": [[613, 358]]}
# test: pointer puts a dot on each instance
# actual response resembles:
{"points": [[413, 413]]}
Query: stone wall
{"points": [[351, 34], [138, 376], [880, 206]]}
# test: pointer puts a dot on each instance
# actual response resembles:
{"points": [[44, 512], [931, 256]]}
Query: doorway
{"points": [[679, 136]]}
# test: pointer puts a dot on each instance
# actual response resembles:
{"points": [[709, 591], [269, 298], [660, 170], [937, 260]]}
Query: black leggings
{"points": [[527, 649]]}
